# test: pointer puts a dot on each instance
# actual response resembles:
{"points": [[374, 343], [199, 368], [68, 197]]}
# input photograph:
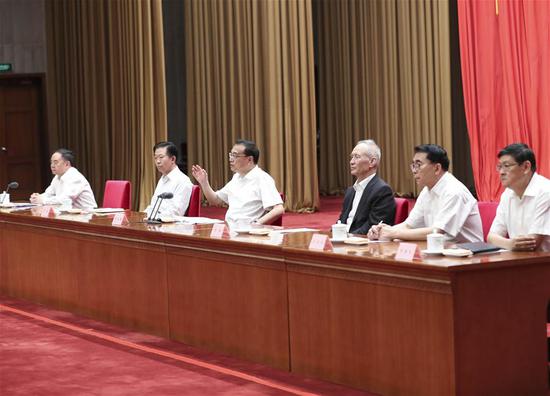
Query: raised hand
{"points": [[199, 174]]}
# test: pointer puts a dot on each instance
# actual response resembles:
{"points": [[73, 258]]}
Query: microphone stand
{"points": [[154, 211], [5, 194]]}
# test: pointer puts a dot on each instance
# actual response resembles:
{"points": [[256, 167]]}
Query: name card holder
{"points": [[218, 230], [47, 211], [407, 251], [320, 242], [120, 219]]}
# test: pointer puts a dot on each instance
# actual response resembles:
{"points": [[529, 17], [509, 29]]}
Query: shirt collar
{"points": [[171, 174], [250, 174], [360, 186], [532, 188], [440, 185], [65, 175]]}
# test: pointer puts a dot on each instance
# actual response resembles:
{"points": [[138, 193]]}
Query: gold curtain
{"points": [[250, 74], [106, 88], [384, 74]]}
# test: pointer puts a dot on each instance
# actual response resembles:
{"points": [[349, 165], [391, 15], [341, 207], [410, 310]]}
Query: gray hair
{"points": [[373, 150]]}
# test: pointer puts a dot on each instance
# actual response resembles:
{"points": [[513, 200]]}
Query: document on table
{"points": [[292, 230], [107, 210], [196, 220]]}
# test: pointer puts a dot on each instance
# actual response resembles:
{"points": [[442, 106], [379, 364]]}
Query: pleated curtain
{"points": [[250, 74], [106, 88], [384, 74]]}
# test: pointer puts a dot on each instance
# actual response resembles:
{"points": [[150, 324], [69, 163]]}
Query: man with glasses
{"points": [[68, 184], [444, 204], [172, 180], [522, 221], [251, 194], [370, 200]]}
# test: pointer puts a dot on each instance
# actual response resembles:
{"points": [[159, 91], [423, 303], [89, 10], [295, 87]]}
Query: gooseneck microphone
{"points": [[11, 186], [155, 209]]}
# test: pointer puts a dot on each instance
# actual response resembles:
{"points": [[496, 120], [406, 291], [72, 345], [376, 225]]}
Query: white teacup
{"points": [[339, 231], [4, 198], [436, 241]]}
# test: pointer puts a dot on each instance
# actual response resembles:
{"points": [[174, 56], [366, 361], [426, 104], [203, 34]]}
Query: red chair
{"points": [[194, 208], [487, 211], [118, 194], [401, 210], [279, 220]]}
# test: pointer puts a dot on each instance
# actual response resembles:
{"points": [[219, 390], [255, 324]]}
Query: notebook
{"points": [[478, 247]]}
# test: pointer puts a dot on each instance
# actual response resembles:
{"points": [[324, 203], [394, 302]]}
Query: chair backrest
{"points": [[401, 210], [487, 211], [194, 208], [279, 220], [118, 194]]}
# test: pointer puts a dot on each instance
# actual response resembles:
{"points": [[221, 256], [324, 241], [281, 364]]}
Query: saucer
{"points": [[431, 252], [457, 252], [241, 230], [259, 231], [334, 240], [356, 241]]}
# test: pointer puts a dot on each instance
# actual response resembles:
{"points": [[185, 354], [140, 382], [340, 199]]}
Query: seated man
{"points": [[68, 184], [444, 204], [251, 194], [522, 221], [172, 180], [370, 200]]}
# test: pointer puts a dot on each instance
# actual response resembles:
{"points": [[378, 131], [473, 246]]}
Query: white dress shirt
{"points": [[249, 196], [359, 187], [179, 184], [450, 207], [73, 186], [527, 215]]}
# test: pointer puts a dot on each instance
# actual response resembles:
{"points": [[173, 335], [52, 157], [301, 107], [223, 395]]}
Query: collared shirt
{"points": [[450, 207], [527, 215], [249, 196], [359, 187], [73, 186], [179, 184]]}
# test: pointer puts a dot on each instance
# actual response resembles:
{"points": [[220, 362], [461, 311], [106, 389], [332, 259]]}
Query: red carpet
{"points": [[47, 352], [323, 219]]}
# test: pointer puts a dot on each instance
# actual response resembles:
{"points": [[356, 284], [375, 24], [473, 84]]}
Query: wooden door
{"points": [[21, 126]]}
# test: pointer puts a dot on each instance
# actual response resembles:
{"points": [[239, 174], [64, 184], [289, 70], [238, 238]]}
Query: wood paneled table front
{"points": [[353, 315]]}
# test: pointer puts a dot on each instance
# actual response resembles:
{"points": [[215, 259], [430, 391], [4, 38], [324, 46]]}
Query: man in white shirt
{"points": [[444, 204], [172, 181], [370, 200], [251, 194], [68, 186], [522, 221]]}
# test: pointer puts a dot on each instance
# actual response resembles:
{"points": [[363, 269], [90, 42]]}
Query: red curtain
{"points": [[505, 58]]}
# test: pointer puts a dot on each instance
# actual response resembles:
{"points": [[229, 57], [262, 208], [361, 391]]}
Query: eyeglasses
{"points": [[236, 155], [505, 166], [159, 157], [415, 166], [357, 157]]}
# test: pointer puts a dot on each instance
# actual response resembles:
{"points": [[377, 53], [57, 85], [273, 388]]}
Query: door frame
{"points": [[43, 139]]}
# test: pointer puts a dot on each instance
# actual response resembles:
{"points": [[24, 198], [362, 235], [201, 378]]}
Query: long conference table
{"points": [[352, 315]]}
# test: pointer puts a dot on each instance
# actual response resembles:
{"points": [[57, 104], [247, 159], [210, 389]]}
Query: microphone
{"points": [[155, 209], [13, 185], [166, 195]]}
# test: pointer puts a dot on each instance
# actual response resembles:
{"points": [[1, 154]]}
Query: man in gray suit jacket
{"points": [[370, 200]]}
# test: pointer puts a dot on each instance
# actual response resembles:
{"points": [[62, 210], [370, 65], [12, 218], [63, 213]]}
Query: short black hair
{"points": [[250, 149], [171, 148], [67, 155], [435, 153], [521, 153]]}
